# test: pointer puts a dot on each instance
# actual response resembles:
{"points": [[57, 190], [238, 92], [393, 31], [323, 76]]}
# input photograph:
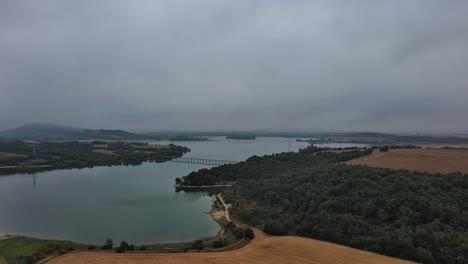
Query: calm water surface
{"points": [[137, 204]]}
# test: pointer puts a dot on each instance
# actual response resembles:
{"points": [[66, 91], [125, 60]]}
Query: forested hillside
{"points": [[415, 216], [21, 156]]}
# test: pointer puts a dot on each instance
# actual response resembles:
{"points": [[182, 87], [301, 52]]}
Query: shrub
{"points": [[219, 243], [197, 244], [248, 233], [108, 244], [123, 246]]}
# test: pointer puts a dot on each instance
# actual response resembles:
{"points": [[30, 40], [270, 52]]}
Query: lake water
{"points": [[137, 204]]}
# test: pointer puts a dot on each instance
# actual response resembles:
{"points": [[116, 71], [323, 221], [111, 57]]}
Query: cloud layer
{"points": [[223, 65]]}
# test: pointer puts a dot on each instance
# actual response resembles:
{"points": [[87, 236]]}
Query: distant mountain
{"points": [[111, 134], [42, 132], [51, 132]]}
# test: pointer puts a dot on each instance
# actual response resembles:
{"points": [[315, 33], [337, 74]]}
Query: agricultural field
{"points": [[433, 160], [263, 249]]}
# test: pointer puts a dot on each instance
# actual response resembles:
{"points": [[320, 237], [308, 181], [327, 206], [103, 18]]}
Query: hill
{"points": [[263, 249], [109, 134], [43, 132], [52, 132]]}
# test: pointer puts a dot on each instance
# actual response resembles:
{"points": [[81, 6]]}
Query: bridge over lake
{"points": [[203, 161]]}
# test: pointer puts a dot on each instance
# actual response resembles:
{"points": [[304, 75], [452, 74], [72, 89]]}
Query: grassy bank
{"points": [[28, 250]]}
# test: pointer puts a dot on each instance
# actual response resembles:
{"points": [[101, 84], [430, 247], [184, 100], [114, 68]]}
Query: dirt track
{"points": [[422, 159], [264, 249]]}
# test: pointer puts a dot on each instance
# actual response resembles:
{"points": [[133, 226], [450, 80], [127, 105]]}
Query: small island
{"points": [[27, 156]]}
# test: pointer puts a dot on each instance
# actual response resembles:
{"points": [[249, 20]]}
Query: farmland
{"points": [[263, 249], [433, 160]]}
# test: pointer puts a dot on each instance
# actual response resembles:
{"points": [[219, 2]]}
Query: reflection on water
{"points": [[137, 204]]}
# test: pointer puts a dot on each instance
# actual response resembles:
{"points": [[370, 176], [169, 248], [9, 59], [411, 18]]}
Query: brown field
{"points": [[263, 249], [434, 160]]}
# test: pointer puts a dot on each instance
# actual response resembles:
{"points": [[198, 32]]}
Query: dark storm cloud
{"points": [[214, 65]]}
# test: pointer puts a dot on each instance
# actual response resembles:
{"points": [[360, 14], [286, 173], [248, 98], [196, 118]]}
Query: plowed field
{"points": [[434, 160]]}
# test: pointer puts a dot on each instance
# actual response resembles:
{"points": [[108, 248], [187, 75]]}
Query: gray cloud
{"points": [[216, 65]]}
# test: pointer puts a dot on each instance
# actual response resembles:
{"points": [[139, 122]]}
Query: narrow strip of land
{"points": [[263, 249]]}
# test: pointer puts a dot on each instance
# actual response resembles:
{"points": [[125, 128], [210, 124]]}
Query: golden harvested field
{"points": [[263, 249], [434, 160]]}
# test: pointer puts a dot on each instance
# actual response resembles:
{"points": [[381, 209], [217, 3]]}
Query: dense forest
{"points": [[410, 215], [22, 155]]}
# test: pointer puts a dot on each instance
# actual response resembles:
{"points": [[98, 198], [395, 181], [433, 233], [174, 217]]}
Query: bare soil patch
{"points": [[433, 160], [8, 155], [104, 151], [263, 249]]}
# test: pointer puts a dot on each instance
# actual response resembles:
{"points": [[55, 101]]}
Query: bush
{"points": [[123, 246], [249, 233], [384, 149], [91, 247], [143, 248], [274, 228], [219, 243], [197, 244], [108, 244]]}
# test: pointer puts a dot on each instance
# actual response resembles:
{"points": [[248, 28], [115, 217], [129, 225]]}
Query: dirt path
{"points": [[226, 211], [263, 249]]}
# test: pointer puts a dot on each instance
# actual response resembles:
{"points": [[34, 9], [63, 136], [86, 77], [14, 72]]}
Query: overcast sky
{"points": [[236, 65]]}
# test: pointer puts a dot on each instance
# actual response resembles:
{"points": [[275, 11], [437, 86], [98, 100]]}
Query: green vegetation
{"points": [[123, 247], [24, 250], [26, 157], [29, 250], [108, 244], [409, 215], [197, 244], [232, 235]]}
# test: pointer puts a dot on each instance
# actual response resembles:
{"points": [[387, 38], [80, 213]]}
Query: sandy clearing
{"points": [[263, 249], [434, 160], [226, 207]]}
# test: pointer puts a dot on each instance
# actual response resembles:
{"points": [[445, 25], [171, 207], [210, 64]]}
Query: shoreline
{"points": [[218, 214]]}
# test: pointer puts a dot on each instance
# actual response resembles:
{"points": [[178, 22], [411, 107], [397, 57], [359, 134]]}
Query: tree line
{"points": [[410, 215]]}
